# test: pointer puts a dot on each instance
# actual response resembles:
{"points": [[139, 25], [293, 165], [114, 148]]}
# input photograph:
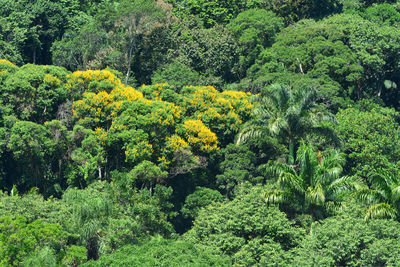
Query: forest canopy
{"points": [[199, 133]]}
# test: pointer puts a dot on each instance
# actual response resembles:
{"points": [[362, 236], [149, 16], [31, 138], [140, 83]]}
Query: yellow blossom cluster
{"points": [[149, 126], [93, 106], [166, 113], [221, 112], [140, 151], [52, 80], [101, 135], [163, 163], [125, 93], [198, 135], [201, 96], [240, 101], [103, 106], [175, 142], [5, 61], [80, 80]]}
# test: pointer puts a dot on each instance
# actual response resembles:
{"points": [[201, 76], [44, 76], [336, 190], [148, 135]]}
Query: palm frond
{"points": [[369, 196], [275, 125], [381, 180], [249, 132], [291, 181], [274, 196], [275, 169], [308, 163], [315, 195], [346, 184], [333, 207], [396, 193], [381, 210]]}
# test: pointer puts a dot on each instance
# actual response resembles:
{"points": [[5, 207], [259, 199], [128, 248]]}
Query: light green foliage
{"points": [[246, 229], [89, 217], [19, 238], [41, 257], [75, 255], [256, 26], [349, 241], [370, 138], [33, 92], [200, 198], [95, 212], [33, 206], [161, 252], [384, 14]]}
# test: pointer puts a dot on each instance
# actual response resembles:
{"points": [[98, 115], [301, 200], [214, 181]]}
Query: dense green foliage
{"points": [[199, 133]]}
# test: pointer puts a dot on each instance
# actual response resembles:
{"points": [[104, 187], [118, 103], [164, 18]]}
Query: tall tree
{"points": [[316, 181], [135, 19], [287, 114], [383, 198]]}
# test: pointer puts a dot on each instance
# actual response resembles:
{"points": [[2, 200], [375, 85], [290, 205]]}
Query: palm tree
{"points": [[287, 114], [315, 183], [383, 198]]}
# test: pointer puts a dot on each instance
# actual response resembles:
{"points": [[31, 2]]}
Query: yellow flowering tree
{"points": [[154, 122]]}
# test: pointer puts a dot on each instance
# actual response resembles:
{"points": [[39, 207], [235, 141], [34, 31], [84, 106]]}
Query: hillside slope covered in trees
{"points": [[199, 133]]}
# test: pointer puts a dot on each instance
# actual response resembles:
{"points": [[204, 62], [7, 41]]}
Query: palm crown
{"points": [[315, 183], [383, 197], [287, 114]]}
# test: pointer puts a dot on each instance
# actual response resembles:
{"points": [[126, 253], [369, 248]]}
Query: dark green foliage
{"points": [[222, 11], [200, 198], [178, 75], [211, 52], [341, 59], [239, 166], [254, 29], [32, 26]]}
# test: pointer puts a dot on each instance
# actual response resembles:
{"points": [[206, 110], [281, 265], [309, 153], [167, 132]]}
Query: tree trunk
{"points": [[132, 45], [34, 55], [291, 159]]}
